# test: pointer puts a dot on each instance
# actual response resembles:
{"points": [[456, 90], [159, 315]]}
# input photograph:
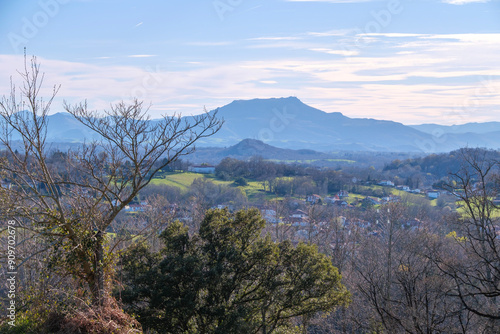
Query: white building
{"points": [[202, 169]]}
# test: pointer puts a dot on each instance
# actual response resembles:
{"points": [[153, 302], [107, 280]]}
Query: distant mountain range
{"points": [[479, 128], [290, 124]]}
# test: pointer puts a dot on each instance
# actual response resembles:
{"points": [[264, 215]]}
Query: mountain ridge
{"points": [[288, 123]]}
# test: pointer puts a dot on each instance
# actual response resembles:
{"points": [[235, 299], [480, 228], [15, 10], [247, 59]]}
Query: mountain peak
{"points": [[251, 143], [267, 109], [272, 102]]}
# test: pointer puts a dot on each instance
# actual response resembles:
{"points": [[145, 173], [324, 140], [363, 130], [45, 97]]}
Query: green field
{"points": [[310, 161], [184, 180], [396, 192], [255, 189]]}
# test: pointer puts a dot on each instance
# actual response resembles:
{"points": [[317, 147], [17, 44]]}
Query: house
{"points": [[403, 188], [202, 169], [298, 218], [391, 199], [386, 183], [343, 194], [305, 234], [137, 208], [371, 200], [433, 194], [353, 225], [333, 199], [412, 224], [298, 214], [313, 199], [496, 200], [269, 216], [228, 207]]}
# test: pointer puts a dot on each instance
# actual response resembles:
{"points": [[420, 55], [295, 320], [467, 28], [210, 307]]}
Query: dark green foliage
{"points": [[240, 181], [439, 165], [256, 168], [228, 279]]}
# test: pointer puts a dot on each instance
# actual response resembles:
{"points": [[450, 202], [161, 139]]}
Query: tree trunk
{"points": [[264, 325], [98, 284]]}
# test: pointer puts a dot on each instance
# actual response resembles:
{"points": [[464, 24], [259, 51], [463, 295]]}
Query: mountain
{"points": [[64, 128], [288, 123], [248, 148], [479, 128]]}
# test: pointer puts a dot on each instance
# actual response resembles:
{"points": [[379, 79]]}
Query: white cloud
{"points": [[395, 34], [341, 32], [284, 38], [346, 53], [332, 1], [409, 78], [463, 2], [492, 38], [222, 43], [141, 56]]}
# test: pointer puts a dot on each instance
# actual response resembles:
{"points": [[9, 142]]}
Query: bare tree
{"points": [[74, 206], [406, 292], [475, 267]]}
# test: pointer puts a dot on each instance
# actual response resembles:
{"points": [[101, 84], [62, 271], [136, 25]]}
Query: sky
{"points": [[410, 61]]}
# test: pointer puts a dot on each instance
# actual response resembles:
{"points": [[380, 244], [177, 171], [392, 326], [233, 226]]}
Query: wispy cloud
{"points": [[141, 56], [341, 32], [346, 53], [410, 78], [394, 34], [463, 2], [332, 1], [207, 43], [284, 38], [493, 38]]}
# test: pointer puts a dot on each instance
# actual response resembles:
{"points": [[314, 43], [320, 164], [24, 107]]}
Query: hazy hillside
{"points": [[480, 128]]}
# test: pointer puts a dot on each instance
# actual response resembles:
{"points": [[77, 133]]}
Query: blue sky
{"points": [[420, 61]]}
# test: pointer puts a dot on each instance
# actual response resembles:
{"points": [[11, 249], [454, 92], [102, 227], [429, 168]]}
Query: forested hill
{"points": [[439, 165], [248, 148]]}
